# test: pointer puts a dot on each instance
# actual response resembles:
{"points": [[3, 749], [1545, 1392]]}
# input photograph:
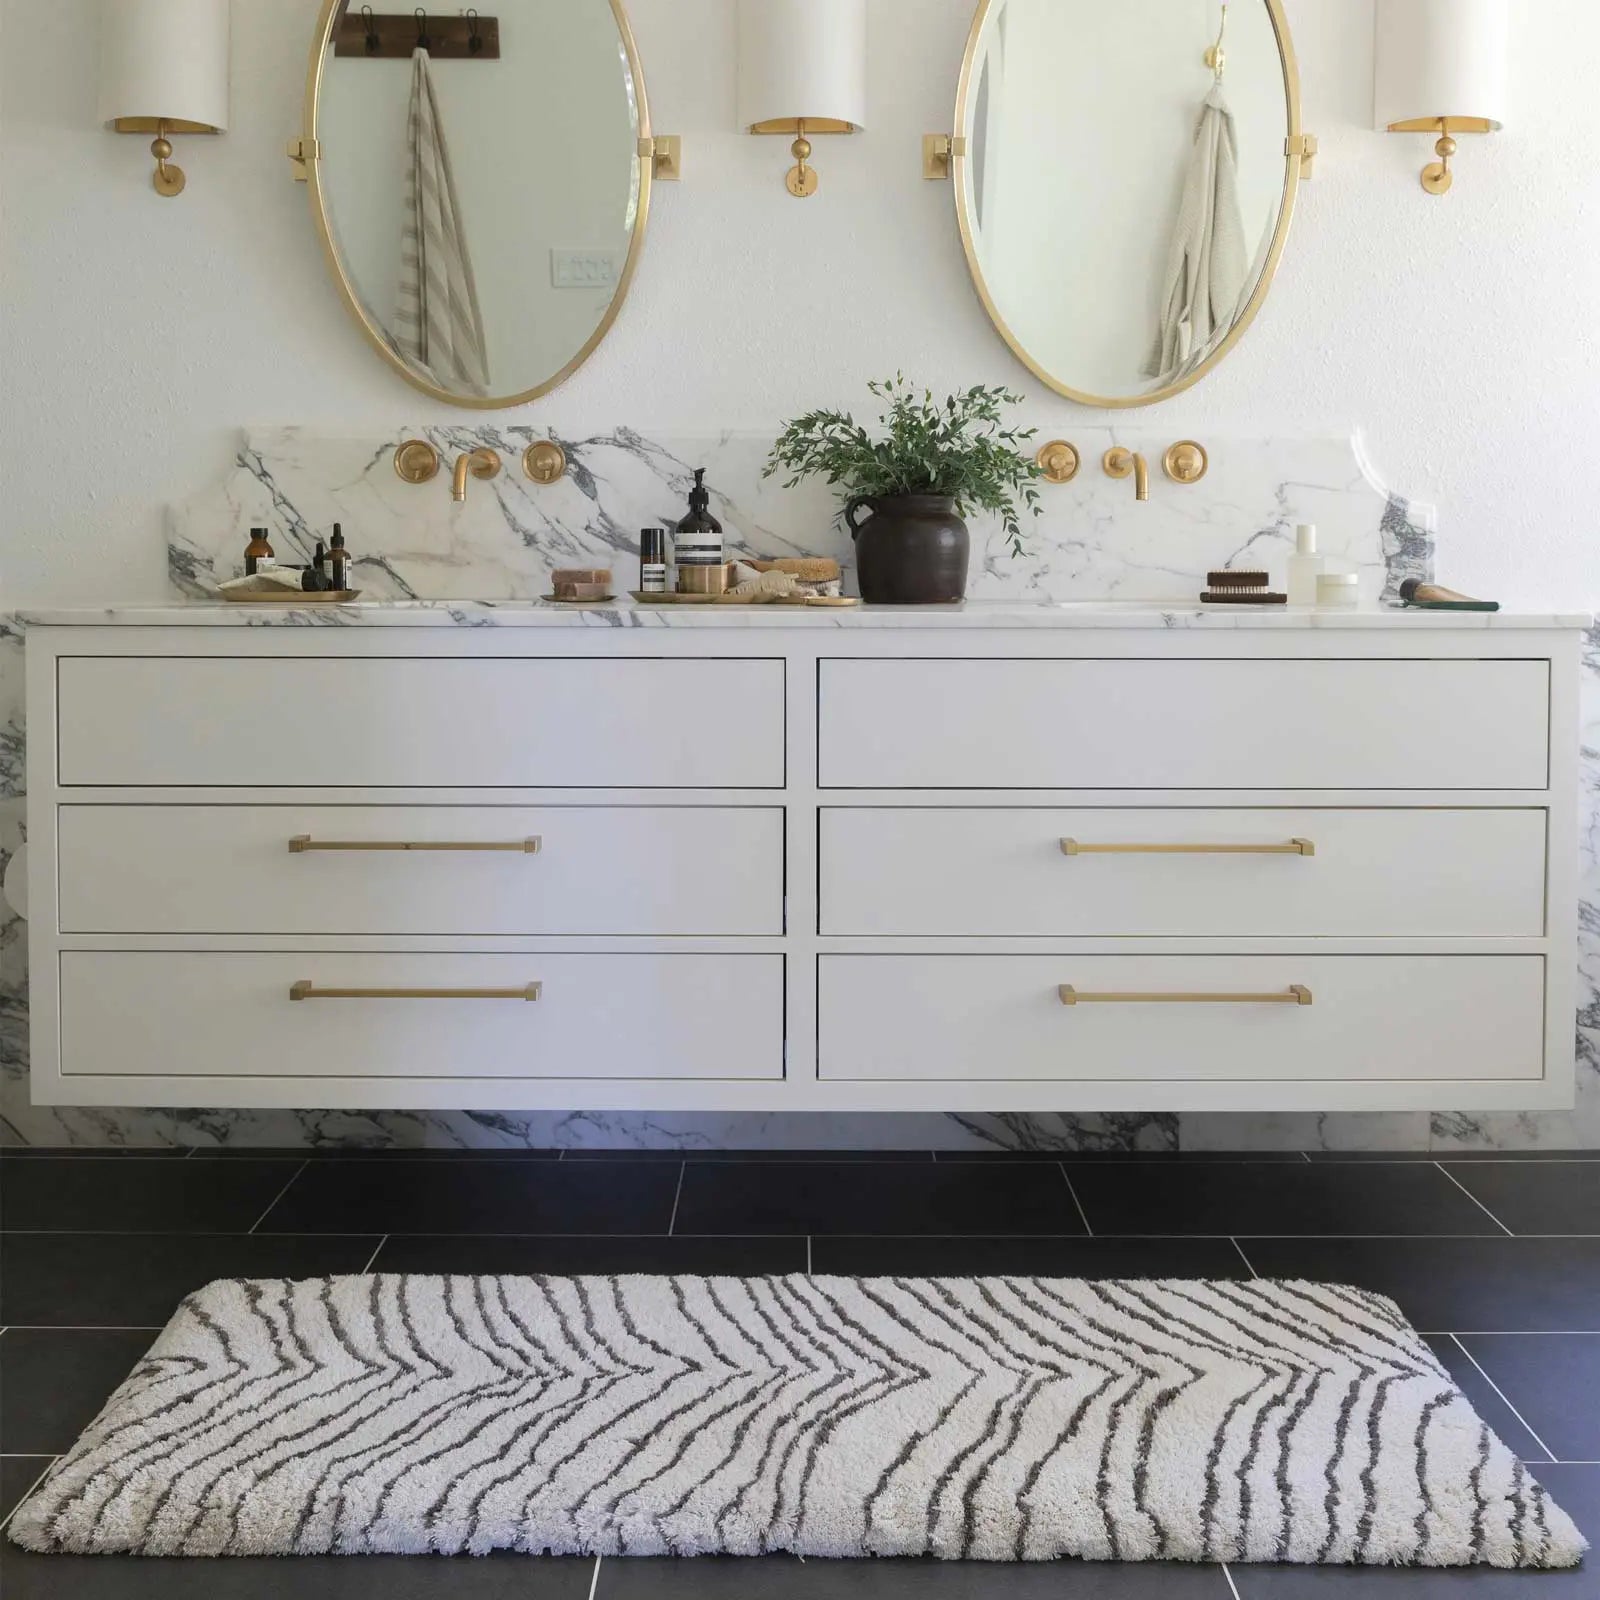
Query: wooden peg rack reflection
{"points": [[394, 35]]}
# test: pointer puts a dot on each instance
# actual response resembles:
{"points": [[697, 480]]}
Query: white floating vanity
{"points": [[999, 857]]}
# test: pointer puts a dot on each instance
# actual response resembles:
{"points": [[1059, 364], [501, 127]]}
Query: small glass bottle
{"points": [[339, 559], [259, 553], [1305, 567], [652, 561]]}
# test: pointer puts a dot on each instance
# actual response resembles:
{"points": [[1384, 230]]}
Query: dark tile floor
{"points": [[1497, 1260]]}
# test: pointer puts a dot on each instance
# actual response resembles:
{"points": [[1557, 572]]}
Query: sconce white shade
{"points": [[802, 59], [164, 60], [1441, 58]]}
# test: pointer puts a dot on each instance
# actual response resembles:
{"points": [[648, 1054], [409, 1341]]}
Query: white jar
{"points": [[1338, 591]]}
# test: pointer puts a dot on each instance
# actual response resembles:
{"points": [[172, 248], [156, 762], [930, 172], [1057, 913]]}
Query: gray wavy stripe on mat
{"points": [[992, 1418]]}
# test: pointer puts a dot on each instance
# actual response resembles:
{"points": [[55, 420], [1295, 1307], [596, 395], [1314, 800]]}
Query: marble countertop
{"points": [[624, 614]]}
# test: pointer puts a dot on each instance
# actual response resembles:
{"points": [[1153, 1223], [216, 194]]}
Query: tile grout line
{"points": [[1474, 1199], [1233, 1588], [594, 1578], [281, 1193], [1456, 1340], [28, 1492], [1243, 1257], [85, 1327], [1083, 1216], [808, 1255], [677, 1195], [374, 1256]]}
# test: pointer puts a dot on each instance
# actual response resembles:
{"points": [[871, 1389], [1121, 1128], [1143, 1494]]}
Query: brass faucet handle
{"points": [[416, 461], [1058, 461], [545, 461], [1186, 461], [484, 463]]}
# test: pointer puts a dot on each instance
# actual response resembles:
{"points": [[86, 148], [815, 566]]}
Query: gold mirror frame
{"points": [[1291, 184], [312, 161]]}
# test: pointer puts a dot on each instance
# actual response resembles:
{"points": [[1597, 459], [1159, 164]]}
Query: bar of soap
{"points": [[583, 591], [565, 575]]}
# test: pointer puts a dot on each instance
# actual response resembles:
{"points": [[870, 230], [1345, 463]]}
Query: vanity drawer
{"points": [[952, 872], [598, 871], [1001, 1018], [170, 1014], [336, 722], [1184, 724]]}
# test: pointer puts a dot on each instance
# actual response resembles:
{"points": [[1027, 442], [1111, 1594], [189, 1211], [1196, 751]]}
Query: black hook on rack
{"points": [[474, 38], [423, 41], [374, 43]]}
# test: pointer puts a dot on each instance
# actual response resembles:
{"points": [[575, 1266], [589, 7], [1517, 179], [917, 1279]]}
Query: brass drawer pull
{"points": [[1295, 995], [305, 989], [303, 843], [1295, 847]]}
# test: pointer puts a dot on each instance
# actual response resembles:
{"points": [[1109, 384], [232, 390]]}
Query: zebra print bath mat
{"points": [[989, 1418]]}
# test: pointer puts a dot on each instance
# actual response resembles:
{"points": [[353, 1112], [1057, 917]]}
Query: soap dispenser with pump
{"points": [[697, 545]]}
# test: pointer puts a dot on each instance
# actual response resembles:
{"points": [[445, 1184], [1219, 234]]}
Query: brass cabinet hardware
{"points": [[1186, 461], [304, 844], [305, 989], [545, 462], [940, 152], [1122, 463], [664, 152], [482, 463], [1295, 847], [1058, 461], [416, 461], [1295, 995]]}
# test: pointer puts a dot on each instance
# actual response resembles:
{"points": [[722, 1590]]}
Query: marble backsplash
{"points": [[1094, 541]]}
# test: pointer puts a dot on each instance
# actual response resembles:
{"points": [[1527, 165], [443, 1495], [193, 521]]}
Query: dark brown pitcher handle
{"points": [[854, 506]]}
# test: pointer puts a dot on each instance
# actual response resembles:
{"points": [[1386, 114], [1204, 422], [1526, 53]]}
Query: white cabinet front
{"points": [[584, 871], [1181, 1018], [323, 1014], [342, 722], [1168, 724], [995, 872]]}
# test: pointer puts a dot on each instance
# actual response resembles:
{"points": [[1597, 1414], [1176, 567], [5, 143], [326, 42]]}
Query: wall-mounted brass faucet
{"points": [[1122, 463], [483, 463]]}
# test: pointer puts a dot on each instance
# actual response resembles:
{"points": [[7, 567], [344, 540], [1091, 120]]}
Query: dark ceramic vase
{"points": [[912, 550]]}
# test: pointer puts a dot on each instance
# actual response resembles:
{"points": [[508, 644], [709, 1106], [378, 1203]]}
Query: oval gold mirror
{"points": [[1125, 183], [481, 183]]}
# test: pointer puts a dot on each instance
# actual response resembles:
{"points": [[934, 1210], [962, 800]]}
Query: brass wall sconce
{"points": [[1441, 69], [1186, 461], [802, 71], [1058, 461], [1120, 462], [164, 70], [545, 461]]}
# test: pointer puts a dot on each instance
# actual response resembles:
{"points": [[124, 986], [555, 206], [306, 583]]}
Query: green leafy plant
{"points": [[960, 448]]}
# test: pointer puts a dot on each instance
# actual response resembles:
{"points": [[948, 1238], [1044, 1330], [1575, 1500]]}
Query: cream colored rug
{"points": [[992, 1419]]}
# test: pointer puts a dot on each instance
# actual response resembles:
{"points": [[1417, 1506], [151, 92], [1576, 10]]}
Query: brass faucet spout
{"points": [[1122, 463], [481, 463]]}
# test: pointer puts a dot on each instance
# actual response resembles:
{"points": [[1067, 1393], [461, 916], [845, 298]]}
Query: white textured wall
{"points": [[139, 332]]}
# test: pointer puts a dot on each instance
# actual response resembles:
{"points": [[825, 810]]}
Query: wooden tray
{"points": [[326, 597], [640, 598]]}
